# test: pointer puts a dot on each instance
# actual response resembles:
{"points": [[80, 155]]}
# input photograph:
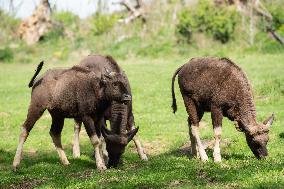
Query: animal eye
{"points": [[115, 84]]}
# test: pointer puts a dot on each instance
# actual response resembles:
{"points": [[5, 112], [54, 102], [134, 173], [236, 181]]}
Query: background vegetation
{"points": [[149, 53]]}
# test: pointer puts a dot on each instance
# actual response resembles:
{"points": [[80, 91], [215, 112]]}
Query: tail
{"points": [[174, 104], [39, 67]]}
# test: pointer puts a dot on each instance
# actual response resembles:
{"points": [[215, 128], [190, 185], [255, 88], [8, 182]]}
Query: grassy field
{"points": [[163, 134]]}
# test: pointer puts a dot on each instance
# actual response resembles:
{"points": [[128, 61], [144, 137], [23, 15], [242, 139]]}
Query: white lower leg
{"points": [[195, 133], [18, 155], [62, 156], [57, 143], [217, 135], [76, 145], [140, 149], [194, 150], [96, 144], [104, 151]]}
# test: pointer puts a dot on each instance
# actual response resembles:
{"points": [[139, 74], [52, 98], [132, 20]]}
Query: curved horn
{"points": [[108, 136], [105, 131], [268, 122], [131, 134]]}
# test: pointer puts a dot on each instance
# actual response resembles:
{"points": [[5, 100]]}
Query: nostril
{"points": [[126, 97]]}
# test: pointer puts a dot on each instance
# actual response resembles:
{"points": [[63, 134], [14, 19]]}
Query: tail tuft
{"points": [[174, 106]]}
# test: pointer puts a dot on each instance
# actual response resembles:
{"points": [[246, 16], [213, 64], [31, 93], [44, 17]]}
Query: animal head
{"points": [[115, 144], [116, 87], [257, 137]]}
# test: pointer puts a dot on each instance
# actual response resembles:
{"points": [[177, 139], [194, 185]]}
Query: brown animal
{"points": [[120, 115], [73, 93], [219, 86]]}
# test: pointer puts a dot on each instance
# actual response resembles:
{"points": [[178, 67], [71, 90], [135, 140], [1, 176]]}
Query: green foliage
{"points": [[102, 23], [278, 17], [6, 55], [8, 27], [217, 21], [54, 33], [7, 21], [67, 18], [185, 26]]}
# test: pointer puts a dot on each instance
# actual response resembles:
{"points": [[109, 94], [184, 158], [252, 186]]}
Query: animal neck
{"points": [[246, 108], [118, 119]]}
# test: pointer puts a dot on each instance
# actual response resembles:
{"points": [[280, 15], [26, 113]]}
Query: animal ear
{"points": [[131, 134], [268, 122]]}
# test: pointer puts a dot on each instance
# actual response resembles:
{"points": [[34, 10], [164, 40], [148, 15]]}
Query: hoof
{"points": [[76, 155], [15, 168], [144, 157], [102, 168], [65, 163], [217, 160], [204, 159]]}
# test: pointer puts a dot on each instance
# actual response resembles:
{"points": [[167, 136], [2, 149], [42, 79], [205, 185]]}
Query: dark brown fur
{"points": [[120, 115], [72, 93], [219, 86]]}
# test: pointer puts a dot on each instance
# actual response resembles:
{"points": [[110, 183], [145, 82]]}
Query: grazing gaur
{"points": [[75, 93], [120, 115], [219, 86]]}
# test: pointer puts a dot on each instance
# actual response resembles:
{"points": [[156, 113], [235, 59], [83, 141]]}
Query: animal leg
{"points": [[217, 116], [55, 133], [103, 151], [34, 114], [139, 147], [195, 133], [91, 131], [193, 121], [76, 144], [194, 149]]}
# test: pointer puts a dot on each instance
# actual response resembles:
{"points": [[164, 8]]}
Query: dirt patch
{"points": [[203, 124], [31, 152], [46, 116], [82, 175], [176, 183], [207, 144], [43, 127], [27, 184], [4, 114], [153, 147]]}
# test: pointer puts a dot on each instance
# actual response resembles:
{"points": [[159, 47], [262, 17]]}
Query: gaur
{"points": [[120, 115], [219, 86], [76, 93]]}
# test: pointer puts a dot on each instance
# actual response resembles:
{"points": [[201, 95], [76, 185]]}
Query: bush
{"points": [[8, 27], [6, 55], [184, 27], [68, 19], [278, 17], [102, 23], [54, 33], [217, 21]]}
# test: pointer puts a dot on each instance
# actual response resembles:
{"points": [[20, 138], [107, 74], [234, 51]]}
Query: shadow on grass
{"points": [[41, 168], [167, 170]]}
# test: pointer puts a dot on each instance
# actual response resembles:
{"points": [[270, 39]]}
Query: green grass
{"points": [[161, 132]]}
